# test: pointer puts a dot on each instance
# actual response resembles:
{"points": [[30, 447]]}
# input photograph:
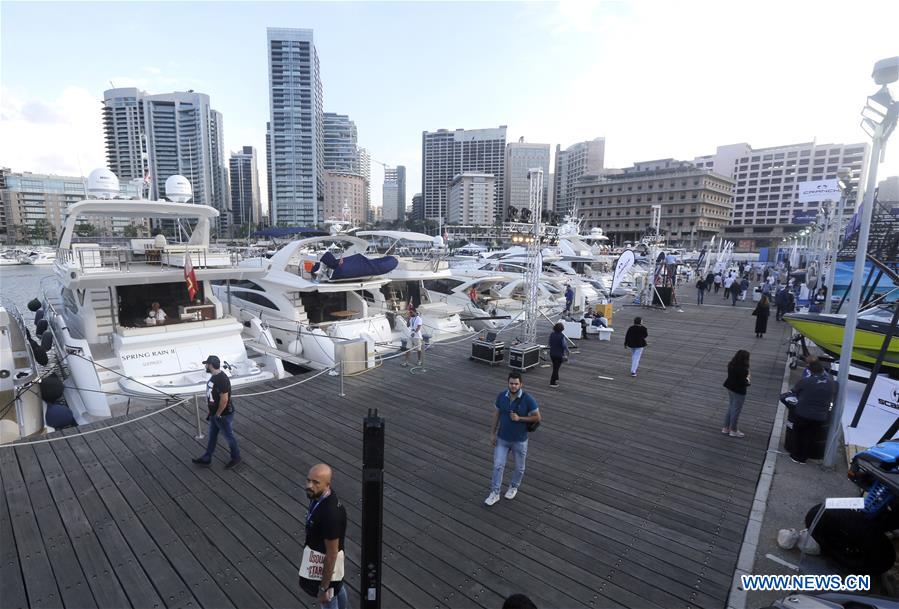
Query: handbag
{"points": [[533, 425]]}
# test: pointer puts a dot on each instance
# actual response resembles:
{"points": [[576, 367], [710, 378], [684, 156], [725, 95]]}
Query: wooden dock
{"points": [[632, 496]]}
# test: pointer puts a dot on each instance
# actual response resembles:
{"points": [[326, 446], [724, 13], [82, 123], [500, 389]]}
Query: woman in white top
{"points": [[415, 335], [156, 316]]}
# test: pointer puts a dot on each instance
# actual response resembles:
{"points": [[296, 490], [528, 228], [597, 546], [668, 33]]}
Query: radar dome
{"points": [[178, 189], [102, 184], [438, 242]]}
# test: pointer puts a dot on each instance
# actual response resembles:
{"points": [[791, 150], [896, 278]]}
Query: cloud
{"points": [[62, 135]]}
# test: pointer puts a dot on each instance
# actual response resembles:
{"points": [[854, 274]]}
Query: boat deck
{"points": [[632, 496]]}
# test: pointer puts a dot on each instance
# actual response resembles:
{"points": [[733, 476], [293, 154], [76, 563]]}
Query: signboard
{"points": [[804, 217], [745, 244], [885, 395], [151, 361], [819, 190]]}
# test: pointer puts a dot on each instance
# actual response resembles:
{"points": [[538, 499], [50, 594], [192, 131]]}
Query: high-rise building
{"points": [[471, 198], [583, 158], [340, 143], [345, 197], [550, 192], [766, 191], [521, 157], [446, 154], [365, 171], [297, 129], [268, 169], [418, 208], [394, 194], [695, 203], [246, 210], [34, 207], [167, 134]]}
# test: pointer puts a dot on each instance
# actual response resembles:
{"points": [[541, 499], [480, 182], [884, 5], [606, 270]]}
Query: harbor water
{"points": [[19, 283]]}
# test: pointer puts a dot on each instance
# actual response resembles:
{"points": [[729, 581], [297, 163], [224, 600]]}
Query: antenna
{"points": [[111, 85]]}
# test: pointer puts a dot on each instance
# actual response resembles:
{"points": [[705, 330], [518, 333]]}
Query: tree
{"points": [[40, 230], [130, 231], [85, 229]]}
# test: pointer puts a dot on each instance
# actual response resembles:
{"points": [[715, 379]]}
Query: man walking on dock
{"points": [[322, 568], [514, 410], [635, 340], [221, 413]]}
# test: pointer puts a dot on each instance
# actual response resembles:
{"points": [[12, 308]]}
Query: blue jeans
{"points": [[338, 601], [225, 426], [699, 296], [500, 454], [636, 354], [734, 409]]}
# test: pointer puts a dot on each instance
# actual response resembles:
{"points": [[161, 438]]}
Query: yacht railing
{"points": [[121, 259]]}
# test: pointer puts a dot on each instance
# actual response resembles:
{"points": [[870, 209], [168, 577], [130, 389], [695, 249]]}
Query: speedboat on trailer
{"points": [[826, 331], [117, 357]]}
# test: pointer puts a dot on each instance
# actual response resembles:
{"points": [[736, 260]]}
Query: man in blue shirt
{"points": [[509, 433]]}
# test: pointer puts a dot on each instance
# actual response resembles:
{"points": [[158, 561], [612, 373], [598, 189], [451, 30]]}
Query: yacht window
{"points": [[242, 283], [255, 298], [442, 286]]}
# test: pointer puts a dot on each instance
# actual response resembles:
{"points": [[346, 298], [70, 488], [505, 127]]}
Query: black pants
{"points": [[557, 363], [805, 431]]}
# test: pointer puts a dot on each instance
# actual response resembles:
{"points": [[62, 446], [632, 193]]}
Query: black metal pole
{"points": [[874, 371], [372, 509]]}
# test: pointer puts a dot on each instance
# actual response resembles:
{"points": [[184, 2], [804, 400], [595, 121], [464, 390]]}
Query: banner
{"points": [[819, 190], [804, 217], [622, 266]]}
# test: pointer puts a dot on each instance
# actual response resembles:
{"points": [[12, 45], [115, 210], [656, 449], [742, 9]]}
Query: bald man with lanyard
{"points": [[322, 568]]}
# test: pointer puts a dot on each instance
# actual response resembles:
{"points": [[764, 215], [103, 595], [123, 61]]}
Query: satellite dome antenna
{"points": [[178, 189], [102, 184]]}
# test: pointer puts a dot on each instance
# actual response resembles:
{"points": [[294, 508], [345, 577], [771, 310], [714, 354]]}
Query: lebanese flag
{"points": [[190, 277]]}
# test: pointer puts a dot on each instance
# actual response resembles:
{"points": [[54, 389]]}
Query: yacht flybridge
{"points": [[133, 319]]}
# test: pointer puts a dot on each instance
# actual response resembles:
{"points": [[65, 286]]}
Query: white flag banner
{"points": [[622, 266], [819, 190]]}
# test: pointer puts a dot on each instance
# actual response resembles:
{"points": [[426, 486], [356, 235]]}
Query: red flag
{"points": [[190, 277]]}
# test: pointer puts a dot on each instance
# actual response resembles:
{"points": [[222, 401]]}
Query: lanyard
{"points": [[313, 508]]}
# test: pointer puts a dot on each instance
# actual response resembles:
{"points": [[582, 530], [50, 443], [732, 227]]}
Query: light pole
{"points": [[880, 117], [844, 174]]}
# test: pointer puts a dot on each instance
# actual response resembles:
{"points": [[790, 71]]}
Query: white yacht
{"points": [[21, 405], [10, 256], [419, 260], [310, 308], [117, 356]]}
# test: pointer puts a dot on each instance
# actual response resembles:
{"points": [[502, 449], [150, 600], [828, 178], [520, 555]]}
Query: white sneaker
{"points": [[492, 498], [510, 494]]}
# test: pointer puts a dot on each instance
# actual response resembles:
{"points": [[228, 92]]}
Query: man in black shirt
{"points": [[221, 412], [322, 568], [635, 340]]}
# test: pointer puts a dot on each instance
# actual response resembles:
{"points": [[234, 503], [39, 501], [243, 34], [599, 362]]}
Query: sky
{"points": [[657, 79]]}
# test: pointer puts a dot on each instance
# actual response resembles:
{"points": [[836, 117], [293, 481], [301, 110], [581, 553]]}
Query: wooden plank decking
{"points": [[632, 496]]}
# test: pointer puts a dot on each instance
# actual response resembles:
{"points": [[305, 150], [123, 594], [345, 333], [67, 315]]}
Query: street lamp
{"points": [[879, 119]]}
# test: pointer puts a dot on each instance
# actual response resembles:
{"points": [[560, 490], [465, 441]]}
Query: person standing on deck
{"points": [[815, 395], [221, 413], [569, 298], [415, 325], [762, 312], [514, 410], [738, 379], [558, 350], [734, 292], [700, 291], [635, 340], [728, 285], [717, 281], [322, 568]]}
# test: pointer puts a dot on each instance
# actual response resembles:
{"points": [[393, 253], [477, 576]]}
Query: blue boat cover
{"points": [[357, 265]]}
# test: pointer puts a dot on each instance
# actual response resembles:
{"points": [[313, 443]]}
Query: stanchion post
{"points": [[200, 434], [372, 509], [341, 394]]}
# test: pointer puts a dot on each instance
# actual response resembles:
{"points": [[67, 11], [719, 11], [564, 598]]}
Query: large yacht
{"points": [[419, 260], [312, 299], [119, 350], [41, 256]]}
